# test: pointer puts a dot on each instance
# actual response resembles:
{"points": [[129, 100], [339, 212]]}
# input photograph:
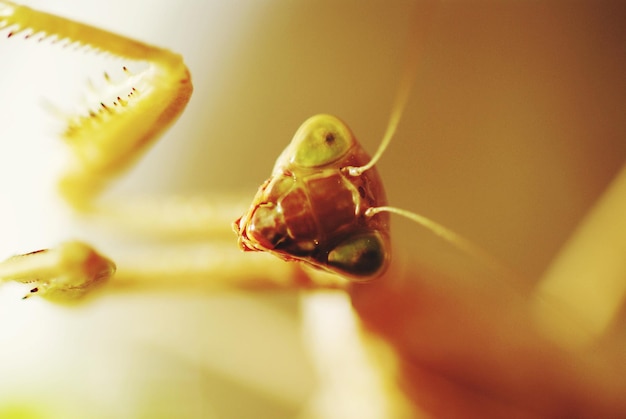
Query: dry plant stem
{"points": [[589, 275]]}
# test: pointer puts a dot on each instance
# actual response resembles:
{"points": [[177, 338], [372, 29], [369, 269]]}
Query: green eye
{"points": [[320, 140], [359, 256]]}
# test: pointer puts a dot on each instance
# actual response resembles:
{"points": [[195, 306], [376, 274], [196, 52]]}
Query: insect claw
{"points": [[65, 273]]}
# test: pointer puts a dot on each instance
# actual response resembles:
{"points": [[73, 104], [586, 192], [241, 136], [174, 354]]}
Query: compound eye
{"points": [[361, 256], [321, 140]]}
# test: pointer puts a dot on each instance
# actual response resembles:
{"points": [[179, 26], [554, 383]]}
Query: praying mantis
{"points": [[413, 312]]}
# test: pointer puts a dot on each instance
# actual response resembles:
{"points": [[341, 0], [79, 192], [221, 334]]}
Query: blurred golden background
{"points": [[514, 127]]}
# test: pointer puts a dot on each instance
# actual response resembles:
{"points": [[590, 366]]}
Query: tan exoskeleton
{"points": [[524, 371]]}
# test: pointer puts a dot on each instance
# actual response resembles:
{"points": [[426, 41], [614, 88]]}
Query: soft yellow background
{"points": [[514, 127]]}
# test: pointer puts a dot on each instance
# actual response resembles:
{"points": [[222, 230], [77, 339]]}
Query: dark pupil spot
{"points": [[330, 138]]}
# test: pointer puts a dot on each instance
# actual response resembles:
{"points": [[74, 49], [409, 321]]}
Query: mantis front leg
{"points": [[106, 140], [103, 140], [67, 272]]}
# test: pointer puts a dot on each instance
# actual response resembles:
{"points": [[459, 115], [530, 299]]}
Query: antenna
{"points": [[415, 43], [404, 88], [458, 241]]}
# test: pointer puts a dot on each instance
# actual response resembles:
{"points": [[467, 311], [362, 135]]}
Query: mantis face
{"points": [[312, 210]]}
